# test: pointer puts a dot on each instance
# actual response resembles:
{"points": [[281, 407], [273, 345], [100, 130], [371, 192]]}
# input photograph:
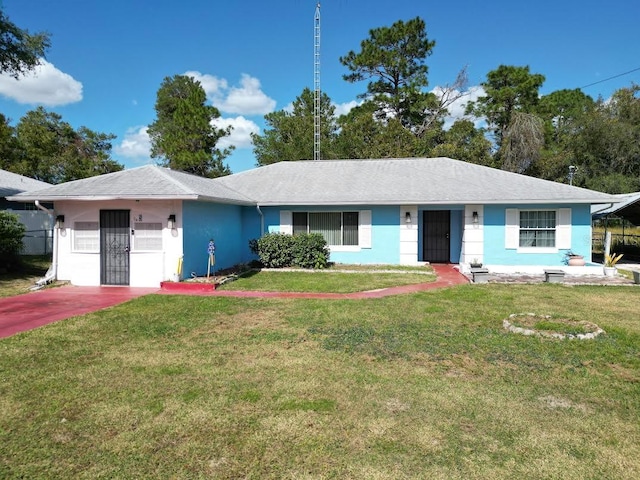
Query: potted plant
{"points": [[610, 264], [475, 263], [574, 259]]}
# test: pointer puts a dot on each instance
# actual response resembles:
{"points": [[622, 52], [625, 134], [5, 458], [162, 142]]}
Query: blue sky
{"points": [[108, 58]]}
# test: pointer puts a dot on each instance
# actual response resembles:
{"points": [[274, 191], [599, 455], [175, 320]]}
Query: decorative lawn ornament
{"points": [[211, 250]]}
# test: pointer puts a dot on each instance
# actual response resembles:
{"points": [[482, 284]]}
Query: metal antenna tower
{"points": [[316, 84]]}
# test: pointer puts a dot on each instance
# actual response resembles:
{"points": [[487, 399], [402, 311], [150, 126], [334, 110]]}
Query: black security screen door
{"points": [[436, 227], [114, 247]]}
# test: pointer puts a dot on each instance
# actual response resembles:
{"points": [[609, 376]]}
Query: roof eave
{"points": [[432, 202]]}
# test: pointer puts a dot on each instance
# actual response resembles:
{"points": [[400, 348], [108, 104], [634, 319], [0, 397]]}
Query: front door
{"points": [[436, 227], [114, 247]]}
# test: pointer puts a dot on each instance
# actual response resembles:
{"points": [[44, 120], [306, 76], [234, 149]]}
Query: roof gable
{"points": [[146, 182]]}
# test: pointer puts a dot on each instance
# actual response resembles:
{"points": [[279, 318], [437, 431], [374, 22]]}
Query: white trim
{"points": [[364, 229], [286, 222], [563, 228], [511, 228], [344, 248], [537, 250]]}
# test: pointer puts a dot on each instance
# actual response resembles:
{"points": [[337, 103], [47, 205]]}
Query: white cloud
{"points": [[240, 135], [45, 85], [457, 108], [245, 99], [214, 87], [135, 144], [344, 108]]}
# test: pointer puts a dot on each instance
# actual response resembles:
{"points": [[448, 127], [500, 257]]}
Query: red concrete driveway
{"points": [[31, 310]]}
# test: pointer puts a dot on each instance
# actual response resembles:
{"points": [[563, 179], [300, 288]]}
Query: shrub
{"points": [[11, 233], [310, 251], [277, 250]]}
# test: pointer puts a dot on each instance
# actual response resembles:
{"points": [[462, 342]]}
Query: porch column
{"points": [[473, 234], [409, 234]]}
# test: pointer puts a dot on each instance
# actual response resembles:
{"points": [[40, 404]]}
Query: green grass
{"points": [[414, 386], [323, 281]]}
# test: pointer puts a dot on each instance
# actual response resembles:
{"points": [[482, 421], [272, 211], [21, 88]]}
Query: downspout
{"points": [[52, 273], [261, 219]]}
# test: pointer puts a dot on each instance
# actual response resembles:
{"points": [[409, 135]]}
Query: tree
{"points": [[8, 144], [11, 233], [561, 111], [19, 50], [289, 135], [606, 143], [463, 141], [362, 135], [183, 136], [522, 142], [508, 89], [394, 60], [49, 149]]}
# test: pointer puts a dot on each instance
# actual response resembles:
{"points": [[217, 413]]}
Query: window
{"points": [[537, 228], [147, 236], [337, 228], [86, 236]]}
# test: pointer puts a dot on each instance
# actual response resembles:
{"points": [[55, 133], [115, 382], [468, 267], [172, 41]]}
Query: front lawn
{"points": [[324, 281], [428, 385]]}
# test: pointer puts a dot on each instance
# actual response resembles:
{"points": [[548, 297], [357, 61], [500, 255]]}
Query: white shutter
{"points": [[563, 228], [365, 229], [286, 220], [512, 228]]}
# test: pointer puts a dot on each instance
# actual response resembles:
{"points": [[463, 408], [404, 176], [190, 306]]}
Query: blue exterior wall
{"points": [[494, 236], [204, 221], [385, 232]]}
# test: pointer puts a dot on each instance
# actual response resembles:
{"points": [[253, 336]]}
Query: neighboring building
{"points": [[132, 227], [37, 240]]}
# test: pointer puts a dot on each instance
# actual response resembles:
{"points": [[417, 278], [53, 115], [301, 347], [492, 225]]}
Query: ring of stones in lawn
{"points": [[530, 324]]}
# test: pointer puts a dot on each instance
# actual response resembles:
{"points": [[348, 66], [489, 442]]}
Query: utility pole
{"points": [[316, 84]]}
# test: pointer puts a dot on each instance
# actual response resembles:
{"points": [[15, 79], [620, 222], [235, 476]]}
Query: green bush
{"points": [[277, 250], [11, 233], [310, 251]]}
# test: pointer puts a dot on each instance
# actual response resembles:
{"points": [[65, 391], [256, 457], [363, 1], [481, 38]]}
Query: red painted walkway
{"points": [[32, 310]]}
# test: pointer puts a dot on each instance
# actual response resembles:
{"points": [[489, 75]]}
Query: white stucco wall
{"points": [[147, 268]]}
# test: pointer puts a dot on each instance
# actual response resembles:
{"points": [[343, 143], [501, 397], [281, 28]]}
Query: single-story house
{"points": [[136, 227], [37, 240]]}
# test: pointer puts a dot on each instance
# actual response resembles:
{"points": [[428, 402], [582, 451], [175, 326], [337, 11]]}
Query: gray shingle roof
{"points": [[399, 181], [12, 183], [147, 182], [435, 181]]}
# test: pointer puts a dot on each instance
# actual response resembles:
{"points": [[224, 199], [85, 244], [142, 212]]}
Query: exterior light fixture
{"points": [[60, 221], [171, 221], [407, 217], [475, 218]]}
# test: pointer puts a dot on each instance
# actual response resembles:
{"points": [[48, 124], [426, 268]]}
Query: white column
{"points": [[473, 234], [408, 235]]}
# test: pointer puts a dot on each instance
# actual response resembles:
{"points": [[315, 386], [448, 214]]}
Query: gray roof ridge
{"points": [[165, 172]]}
